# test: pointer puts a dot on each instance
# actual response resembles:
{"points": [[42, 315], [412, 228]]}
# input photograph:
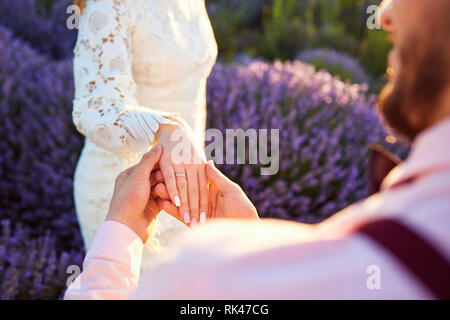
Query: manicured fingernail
{"points": [[193, 222], [177, 201], [202, 217], [187, 218]]}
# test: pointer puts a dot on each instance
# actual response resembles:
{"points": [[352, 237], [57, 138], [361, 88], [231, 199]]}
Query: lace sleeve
{"points": [[105, 105]]}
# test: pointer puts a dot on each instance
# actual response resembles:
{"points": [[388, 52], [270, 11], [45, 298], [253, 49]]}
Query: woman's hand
{"points": [[227, 200], [183, 168]]}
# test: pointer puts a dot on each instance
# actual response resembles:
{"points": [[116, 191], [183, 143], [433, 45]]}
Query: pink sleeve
{"points": [[111, 267]]}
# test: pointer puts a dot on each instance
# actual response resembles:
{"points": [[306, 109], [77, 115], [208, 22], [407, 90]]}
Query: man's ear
{"points": [[381, 162]]}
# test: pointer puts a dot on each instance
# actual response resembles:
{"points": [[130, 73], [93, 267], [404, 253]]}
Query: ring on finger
{"points": [[180, 174]]}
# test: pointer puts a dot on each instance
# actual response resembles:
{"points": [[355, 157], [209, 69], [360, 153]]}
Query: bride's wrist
{"points": [[166, 130]]}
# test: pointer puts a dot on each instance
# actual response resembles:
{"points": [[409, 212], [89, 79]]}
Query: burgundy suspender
{"points": [[416, 254]]}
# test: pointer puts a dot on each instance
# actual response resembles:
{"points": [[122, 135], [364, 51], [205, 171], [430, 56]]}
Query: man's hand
{"points": [[131, 203], [227, 200]]}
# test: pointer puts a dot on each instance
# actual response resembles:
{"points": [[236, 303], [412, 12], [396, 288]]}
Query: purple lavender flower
{"points": [[39, 146], [31, 268], [45, 31], [339, 64], [326, 127]]}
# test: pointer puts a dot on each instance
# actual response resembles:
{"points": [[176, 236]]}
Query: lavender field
{"points": [[326, 127]]}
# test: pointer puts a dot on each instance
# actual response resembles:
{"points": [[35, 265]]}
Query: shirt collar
{"points": [[430, 153]]}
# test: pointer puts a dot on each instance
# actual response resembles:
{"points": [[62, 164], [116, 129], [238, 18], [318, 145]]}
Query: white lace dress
{"points": [[136, 61]]}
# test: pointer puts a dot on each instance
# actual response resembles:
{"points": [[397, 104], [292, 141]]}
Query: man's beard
{"points": [[410, 104]]}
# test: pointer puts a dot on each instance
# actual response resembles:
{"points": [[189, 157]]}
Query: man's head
{"points": [[419, 91]]}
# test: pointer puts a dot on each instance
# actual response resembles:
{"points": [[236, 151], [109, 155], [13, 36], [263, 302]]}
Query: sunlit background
{"points": [[310, 68]]}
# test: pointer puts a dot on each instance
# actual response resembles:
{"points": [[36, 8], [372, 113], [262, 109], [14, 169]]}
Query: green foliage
{"points": [[227, 20], [280, 29], [285, 33], [338, 64], [337, 70], [374, 51], [335, 37]]}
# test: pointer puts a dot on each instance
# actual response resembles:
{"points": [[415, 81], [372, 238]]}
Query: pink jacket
{"points": [[287, 260]]}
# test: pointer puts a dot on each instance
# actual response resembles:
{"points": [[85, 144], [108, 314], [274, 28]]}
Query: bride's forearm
{"points": [[170, 135], [165, 133]]}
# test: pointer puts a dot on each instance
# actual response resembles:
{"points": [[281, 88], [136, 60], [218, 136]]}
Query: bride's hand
{"points": [[183, 168], [227, 200]]}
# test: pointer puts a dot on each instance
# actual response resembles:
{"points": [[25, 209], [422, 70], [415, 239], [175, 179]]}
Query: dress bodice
{"points": [[174, 52]]}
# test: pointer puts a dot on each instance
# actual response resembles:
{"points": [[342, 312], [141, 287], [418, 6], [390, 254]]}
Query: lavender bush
{"points": [[337, 63], [39, 146], [326, 127], [42, 28], [32, 268]]}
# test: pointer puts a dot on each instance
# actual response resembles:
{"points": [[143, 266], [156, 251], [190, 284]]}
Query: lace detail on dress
{"points": [[133, 54], [105, 105]]}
